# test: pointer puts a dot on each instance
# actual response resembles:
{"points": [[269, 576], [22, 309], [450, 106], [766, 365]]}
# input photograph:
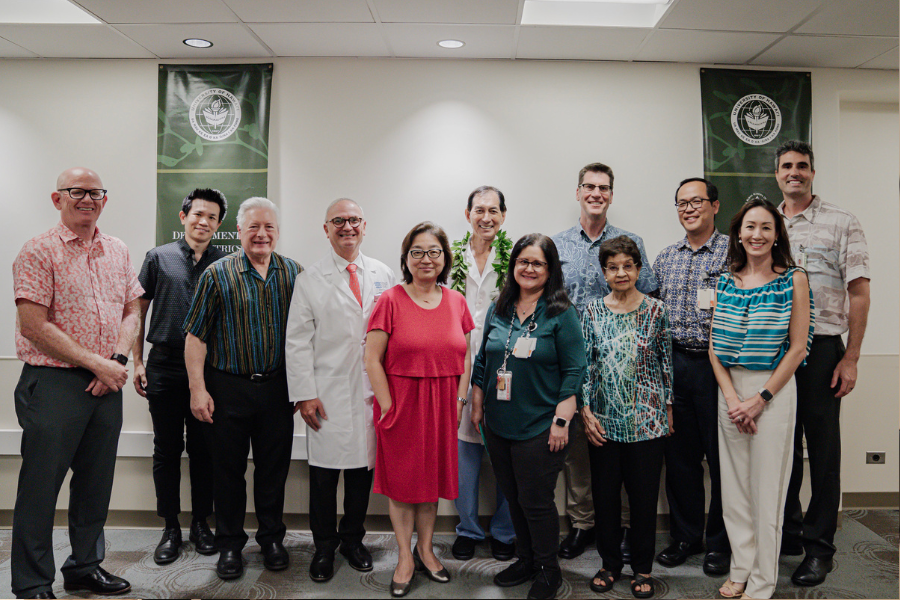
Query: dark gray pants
{"points": [[64, 428]]}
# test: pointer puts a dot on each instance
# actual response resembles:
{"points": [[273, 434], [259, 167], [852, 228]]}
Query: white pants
{"points": [[755, 471]]}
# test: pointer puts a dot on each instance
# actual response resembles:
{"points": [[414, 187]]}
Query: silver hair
{"points": [[339, 200], [256, 202]]}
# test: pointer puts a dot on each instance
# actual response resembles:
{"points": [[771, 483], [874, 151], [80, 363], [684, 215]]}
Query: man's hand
{"points": [[140, 379], [845, 374], [110, 373], [308, 410], [97, 388], [202, 406]]}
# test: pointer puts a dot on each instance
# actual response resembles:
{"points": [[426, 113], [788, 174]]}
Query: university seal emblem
{"points": [[756, 119], [215, 114]]}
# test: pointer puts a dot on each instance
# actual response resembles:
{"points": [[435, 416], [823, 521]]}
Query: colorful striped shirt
{"points": [[751, 328], [240, 316]]}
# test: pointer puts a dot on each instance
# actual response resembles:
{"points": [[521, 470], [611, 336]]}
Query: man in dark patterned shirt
{"points": [[169, 277], [687, 273], [234, 352]]}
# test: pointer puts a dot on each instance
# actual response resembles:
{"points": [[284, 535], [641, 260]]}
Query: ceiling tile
{"points": [[302, 11], [73, 41], [322, 39], [11, 50], [230, 40], [681, 45], [494, 12], [160, 11], [879, 17], [482, 41], [745, 15], [812, 51], [888, 60], [579, 43]]}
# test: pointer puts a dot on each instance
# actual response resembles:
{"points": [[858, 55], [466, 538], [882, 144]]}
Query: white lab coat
{"points": [[324, 345]]}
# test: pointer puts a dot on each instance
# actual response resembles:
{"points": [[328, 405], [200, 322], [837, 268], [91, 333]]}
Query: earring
{"points": [[776, 243]]}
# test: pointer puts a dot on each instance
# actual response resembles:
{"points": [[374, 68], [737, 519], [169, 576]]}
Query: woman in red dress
{"points": [[417, 358]]}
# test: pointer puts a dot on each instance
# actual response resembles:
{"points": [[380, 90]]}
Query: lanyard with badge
{"points": [[524, 347], [706, 297]]}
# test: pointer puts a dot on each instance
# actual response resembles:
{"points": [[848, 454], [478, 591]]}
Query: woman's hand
{"points": [[459, 411], [559, 437], [744, 414], [477, 415], [384, 410], [592, 427], [669, 417]]}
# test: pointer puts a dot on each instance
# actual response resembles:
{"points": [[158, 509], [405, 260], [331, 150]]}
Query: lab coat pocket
{"points": [[334, 392]]}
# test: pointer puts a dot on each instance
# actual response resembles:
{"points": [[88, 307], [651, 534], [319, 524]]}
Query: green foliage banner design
{"points": [[746, 116], [213, 131]]}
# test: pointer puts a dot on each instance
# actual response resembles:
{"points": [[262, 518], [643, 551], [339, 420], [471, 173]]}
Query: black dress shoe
{"points": [[812, 571], [501, 551], [357, 555], [167, 549], [230, 564], [677, 553], [575, 543], [463, 548], [515, 574], [440, 576], [321, 568], [716, 563], [275, 557], [100, 582], [546, 584], [203, 539], [39, 595], [625, 546]]}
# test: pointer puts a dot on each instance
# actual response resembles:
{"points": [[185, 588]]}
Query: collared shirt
{"points": [[169, 278], [242, 317], [581, 264], [836, 253], [681, 272], [342, 264], [85, 287]]}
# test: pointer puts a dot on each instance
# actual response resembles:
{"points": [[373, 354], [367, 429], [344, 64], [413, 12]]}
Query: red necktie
{"points": [[354, 283]]}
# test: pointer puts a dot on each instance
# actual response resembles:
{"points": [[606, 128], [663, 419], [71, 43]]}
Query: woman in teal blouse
{"points": [[627, 412], [524, 383]]}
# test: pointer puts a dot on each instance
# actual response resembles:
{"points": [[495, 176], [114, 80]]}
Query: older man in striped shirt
{"points": [[234, 353]]}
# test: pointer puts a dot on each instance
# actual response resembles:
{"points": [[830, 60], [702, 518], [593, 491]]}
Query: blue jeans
{"points": [[467, 502]]}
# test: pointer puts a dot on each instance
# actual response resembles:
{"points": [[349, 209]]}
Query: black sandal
{"points": [[607, 579], [636, 584]]}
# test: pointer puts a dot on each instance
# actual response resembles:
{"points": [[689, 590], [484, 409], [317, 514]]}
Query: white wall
{"points": [[409, 139]]}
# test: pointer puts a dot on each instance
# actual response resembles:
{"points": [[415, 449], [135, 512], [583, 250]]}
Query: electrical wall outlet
{"points": [[874, 458]]}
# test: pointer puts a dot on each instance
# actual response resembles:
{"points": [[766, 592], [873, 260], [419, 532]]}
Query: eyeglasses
{"points": [[338, 222], [695, 203], [612, 269], [433, 253], [590, 187], [78, 193], [537, 266]]}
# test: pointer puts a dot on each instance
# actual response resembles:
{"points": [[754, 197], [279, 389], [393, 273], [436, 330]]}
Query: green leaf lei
{"points": [[501, 245]]}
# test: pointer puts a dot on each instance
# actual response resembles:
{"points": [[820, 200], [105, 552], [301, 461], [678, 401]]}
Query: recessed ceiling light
{"points": [[451, 44], [197, 43]]}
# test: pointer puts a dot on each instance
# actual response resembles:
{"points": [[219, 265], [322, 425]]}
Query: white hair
{"points": [[255, 202], [339, 200]]}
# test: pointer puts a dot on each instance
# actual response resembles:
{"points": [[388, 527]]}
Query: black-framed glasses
{"points": [[695, 203], [537, 266], [433, 253], [79, 193], [339, 221], [590, 187]]}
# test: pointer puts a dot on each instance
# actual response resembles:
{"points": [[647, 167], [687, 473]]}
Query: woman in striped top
{"points": [[761, 331]]}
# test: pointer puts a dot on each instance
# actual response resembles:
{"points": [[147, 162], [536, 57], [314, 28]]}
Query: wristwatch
{"points": [[560, 421], [120, 358], [765, 394], [463, 400]]}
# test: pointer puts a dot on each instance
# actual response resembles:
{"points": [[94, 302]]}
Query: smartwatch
{"points": [[120, 358], [560, 421], [765, 394], [463, 400]]}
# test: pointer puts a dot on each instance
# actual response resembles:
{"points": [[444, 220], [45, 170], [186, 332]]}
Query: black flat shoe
{"points": [[463, 548], [99, 582], [812, 571], [515, 574], [357, 556], [321, 568], [275, 557], [167, 550], [501, 551], [677, 553], [203, 539], [546, 584], [575, 543], [716, 563], [230, 565], [441, 576]]}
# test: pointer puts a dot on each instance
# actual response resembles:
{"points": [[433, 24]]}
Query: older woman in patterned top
{"points": [[627, 412]]}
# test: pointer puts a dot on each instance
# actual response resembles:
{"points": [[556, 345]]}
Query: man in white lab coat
{"points": [[326, 333]]}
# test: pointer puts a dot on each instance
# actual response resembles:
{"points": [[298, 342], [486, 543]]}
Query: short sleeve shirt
{"points": [[84, 285]]}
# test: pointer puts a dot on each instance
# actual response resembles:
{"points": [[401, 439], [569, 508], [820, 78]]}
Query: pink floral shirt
{"points": [[84, 286]]}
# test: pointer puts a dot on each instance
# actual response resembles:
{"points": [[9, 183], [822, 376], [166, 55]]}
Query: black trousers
{"points": [[257, 415], [638, 465], [169, 400], [64, 428], [323, 484], [819, 419], [526, 472], [696, 434]]}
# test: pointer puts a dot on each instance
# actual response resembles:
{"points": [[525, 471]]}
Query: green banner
{"points": [[213, 133], [746, 116]]}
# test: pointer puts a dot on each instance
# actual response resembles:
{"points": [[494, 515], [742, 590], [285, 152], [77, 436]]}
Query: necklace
{"points": [[460, 270]]}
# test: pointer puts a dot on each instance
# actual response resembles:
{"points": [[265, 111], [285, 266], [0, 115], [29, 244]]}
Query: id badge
{"points": [[803, 256], [504, 385], [524, 347], [706, 298]]}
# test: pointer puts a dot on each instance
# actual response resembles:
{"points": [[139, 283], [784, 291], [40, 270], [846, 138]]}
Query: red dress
{"points": [[416, 459]]}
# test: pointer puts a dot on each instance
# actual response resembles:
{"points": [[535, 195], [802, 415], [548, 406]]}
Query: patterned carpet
{"points": [[866, 566]]}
